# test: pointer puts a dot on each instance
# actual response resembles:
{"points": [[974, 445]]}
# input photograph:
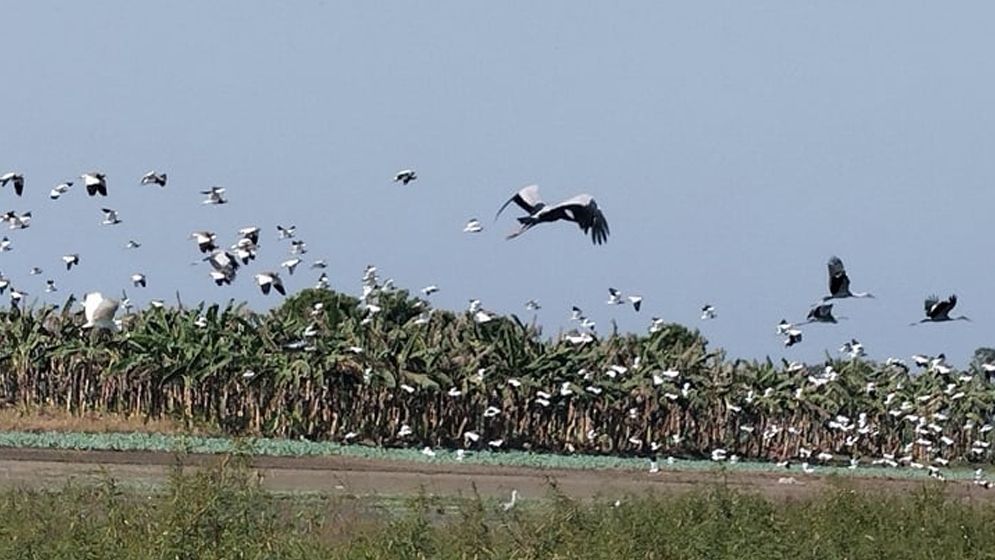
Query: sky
{"points": [[733, 147]]}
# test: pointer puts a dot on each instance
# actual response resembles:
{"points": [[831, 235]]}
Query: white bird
{"points": [[532, 305], [95, 183], [291, 265], [839, 282], [708, 312], [100, 311], [138, 280], [511, 503], [153, 178], [473, 226], [405, 176], [215, 195], [59, 190], [5, 244], [429, 290], [71, 260], [110, 217], [35, 271], [319, 265], [298, 247], [614, 297], [132, 244], [17, 221], [50, 286], [267, 280], [16, 178], [581, 209], [286, 232], [205, 240]]}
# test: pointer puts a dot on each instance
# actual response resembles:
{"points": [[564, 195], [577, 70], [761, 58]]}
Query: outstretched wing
{"points": [[941, 309], [839, 282], [584, 210], [527, 198]]}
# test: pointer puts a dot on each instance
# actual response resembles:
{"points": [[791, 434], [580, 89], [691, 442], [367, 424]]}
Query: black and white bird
{"points": [[100, 311], [298, 247], [532, 305], [286, 232], [405, 176], [132, 244], [16, 178], [473, 226], [138, 280], [822, 313], [95, 182], [938, 311], [205, 241], [5, 244], [215, 195], [16, 221], [251, 233], [291, 265], [59, 190], [225, 266], [110, 217], [71, 260], [50, 286], [708, 312], [267, 280], [35, 271], [839, 282], [153, 178], [581, 209]]}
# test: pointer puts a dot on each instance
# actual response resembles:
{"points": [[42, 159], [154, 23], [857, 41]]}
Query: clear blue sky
{"points": [[733, 147]]}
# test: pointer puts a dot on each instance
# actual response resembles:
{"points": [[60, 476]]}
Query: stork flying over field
{"points": [[581, 209], [939, 311], [839, 282]]}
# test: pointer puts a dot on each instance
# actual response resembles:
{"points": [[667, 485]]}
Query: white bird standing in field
{"points": [[99, 311], [511, 503]]}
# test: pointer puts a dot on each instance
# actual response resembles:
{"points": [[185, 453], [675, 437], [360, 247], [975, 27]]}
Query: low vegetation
{"points": [[222, 513]]}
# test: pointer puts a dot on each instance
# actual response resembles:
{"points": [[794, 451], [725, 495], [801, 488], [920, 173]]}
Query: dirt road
{"points": [[361, 477]]}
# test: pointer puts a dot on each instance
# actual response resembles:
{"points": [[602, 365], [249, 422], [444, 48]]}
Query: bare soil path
{"points": [[42, 468]]}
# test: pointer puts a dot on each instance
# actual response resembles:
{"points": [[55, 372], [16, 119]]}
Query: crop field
{"points": [[318, 368]]}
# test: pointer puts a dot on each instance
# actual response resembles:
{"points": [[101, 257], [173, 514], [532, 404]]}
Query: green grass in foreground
{"points": [[303, 448], [221, 512]]}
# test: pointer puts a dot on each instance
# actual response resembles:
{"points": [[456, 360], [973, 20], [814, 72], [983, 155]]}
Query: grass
{"points": [[222, 512]]}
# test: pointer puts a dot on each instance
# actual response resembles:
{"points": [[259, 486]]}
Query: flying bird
{"points": [[100, 311], [132, 244], [110, 217], [939, 311], [16, 178], [225, 266], [50, 286], [59, 190], [205, 240], [214, 196], [95, 182], [405, 176], [138, 280], [286, 232], [291, 265], [70, 260], [16, 222], [473, 226], [839, 282], [153, 178], [708, 312], [581, 209], [822, 313], [267, 280]]}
